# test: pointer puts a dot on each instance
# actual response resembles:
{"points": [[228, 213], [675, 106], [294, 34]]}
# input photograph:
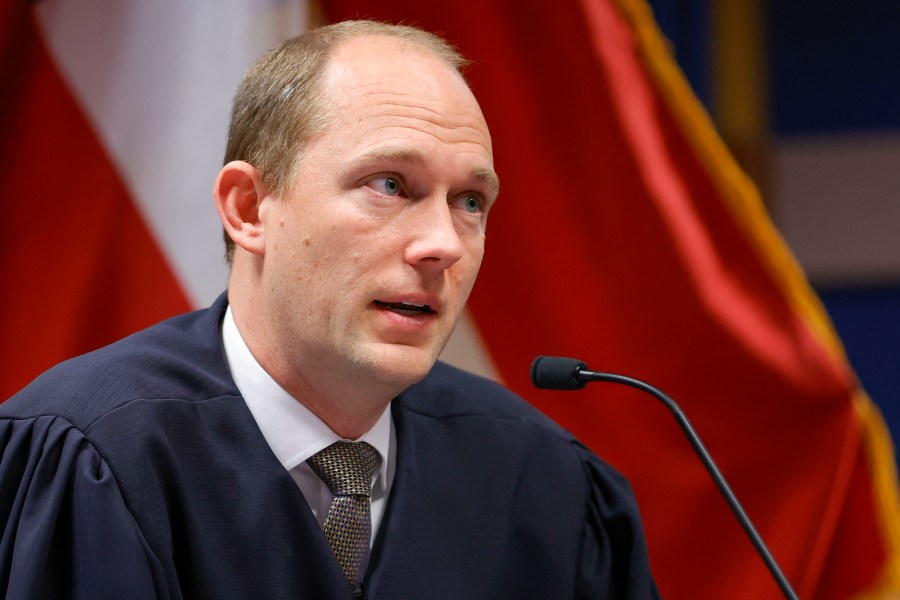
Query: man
{"points": [[201, 457]]}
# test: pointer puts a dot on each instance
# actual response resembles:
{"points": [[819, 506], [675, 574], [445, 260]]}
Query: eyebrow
{"points": [[489, 177], [485, 175]]}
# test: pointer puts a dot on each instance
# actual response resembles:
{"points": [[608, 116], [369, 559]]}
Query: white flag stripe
{"points": [[156, 80]]}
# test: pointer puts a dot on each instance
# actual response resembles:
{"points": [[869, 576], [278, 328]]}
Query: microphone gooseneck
{"points": [[559, 373]]}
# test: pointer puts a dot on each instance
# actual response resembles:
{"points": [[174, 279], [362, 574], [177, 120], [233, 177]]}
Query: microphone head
{"points": [[557, 373]]}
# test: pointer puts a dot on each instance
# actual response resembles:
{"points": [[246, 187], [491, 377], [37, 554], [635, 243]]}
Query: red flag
{"points": [[79, 266], [113, 127], [626, 236]]}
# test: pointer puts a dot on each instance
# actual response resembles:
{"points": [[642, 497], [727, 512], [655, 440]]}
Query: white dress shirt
{"points": [[295, 433]]}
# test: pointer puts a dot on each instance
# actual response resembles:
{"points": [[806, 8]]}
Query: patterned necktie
{"points": [[347, 468]]}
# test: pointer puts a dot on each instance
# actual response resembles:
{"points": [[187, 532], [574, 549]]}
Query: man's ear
{"points": [[239, 191]]}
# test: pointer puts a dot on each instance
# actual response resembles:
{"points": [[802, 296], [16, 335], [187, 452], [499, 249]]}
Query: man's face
{"points": [[374, 248]]}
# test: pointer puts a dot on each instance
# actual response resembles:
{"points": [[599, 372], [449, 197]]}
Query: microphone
{"points": [[559, 373]]}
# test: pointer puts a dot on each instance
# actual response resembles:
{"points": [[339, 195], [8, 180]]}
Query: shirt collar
{"points": [[293, 431]]}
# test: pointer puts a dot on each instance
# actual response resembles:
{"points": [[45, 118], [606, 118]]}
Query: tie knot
{"points": [[346, 467]]}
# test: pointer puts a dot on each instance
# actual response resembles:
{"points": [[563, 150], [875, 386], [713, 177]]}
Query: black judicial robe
{"points": [[137, 471]]}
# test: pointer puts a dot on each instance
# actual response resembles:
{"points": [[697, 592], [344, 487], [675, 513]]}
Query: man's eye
{"points": [[471, 203], [389, 186]]}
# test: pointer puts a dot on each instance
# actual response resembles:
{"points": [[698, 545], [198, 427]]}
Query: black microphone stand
{"points": [[581, 374]]}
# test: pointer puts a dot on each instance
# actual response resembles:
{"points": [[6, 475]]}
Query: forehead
{"points": [[379, 82], [367, 57]]}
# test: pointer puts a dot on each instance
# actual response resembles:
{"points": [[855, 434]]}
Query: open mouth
{"points": [[406, 308]]}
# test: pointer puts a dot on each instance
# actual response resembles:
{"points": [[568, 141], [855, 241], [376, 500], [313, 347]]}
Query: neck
{"points": [[347, 410], [348, 403]]}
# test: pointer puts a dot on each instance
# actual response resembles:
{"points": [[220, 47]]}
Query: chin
{"points": [[400, 366]]}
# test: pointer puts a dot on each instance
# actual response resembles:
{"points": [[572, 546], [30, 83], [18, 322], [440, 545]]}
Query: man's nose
{"points": [[435, 243]]}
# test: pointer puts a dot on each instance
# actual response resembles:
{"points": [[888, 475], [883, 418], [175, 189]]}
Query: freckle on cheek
{"points": [[306, 242]]}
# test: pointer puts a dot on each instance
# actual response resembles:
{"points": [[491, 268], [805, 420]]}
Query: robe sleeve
{"points": [[613, 562], [66, 529]]}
